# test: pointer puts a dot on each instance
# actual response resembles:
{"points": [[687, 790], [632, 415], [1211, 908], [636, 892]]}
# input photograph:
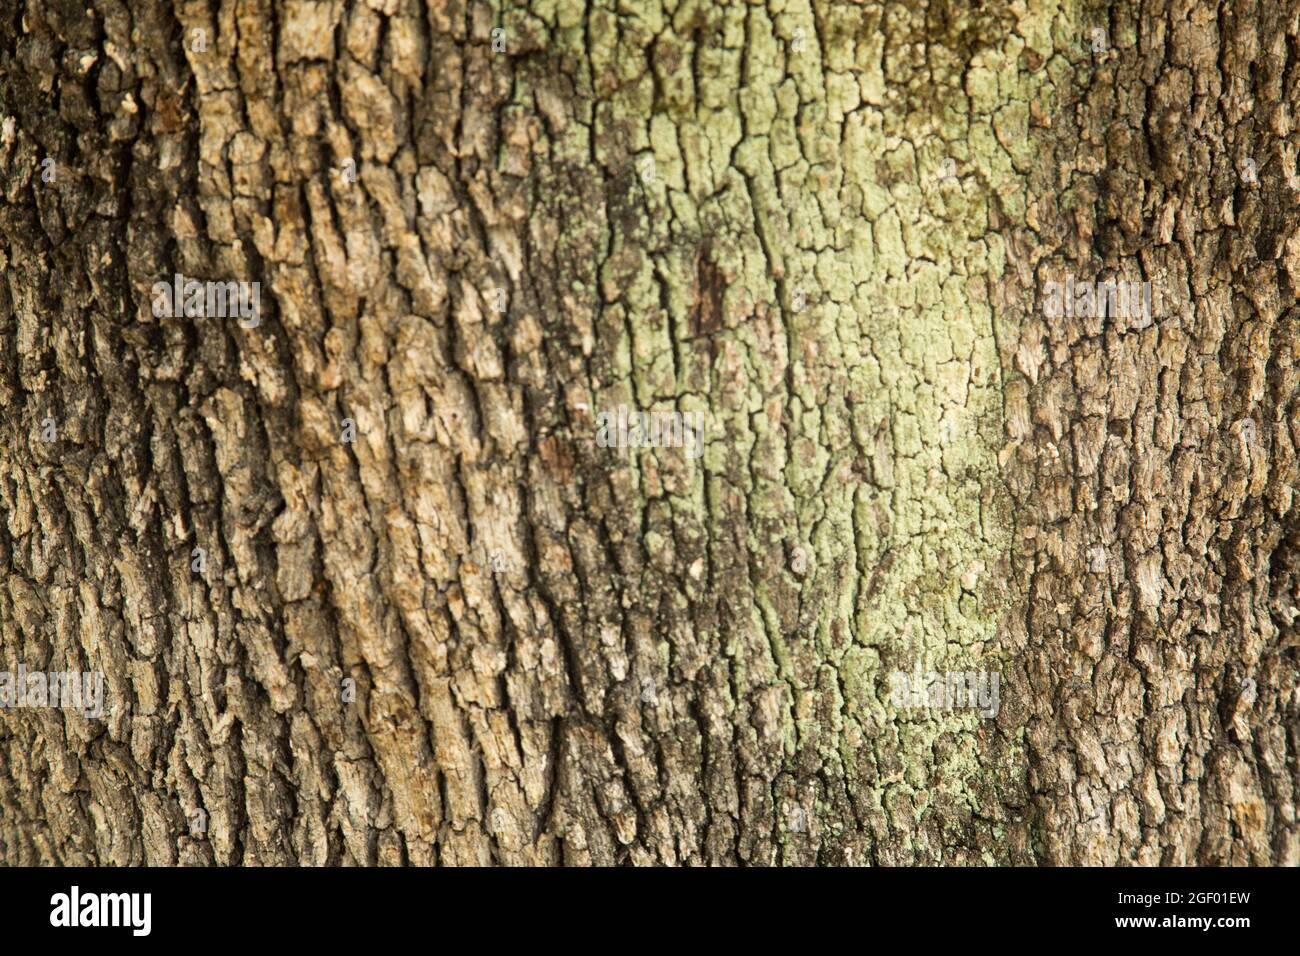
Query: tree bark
{"points": [[435, 619]]}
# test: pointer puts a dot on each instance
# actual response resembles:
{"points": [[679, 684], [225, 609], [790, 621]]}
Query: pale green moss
{"points": [[814, 176]]}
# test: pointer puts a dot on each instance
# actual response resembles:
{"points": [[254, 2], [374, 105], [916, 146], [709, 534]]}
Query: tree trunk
{"points": [[376, 576]]}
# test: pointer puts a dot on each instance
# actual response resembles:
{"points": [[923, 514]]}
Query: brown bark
{"points": [[1154, 469]]}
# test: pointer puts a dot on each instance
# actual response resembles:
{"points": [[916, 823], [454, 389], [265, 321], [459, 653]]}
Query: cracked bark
{"points": [[827, 228]]}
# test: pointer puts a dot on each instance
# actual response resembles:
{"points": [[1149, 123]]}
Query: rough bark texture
{"points": [[1154, 469], [826, 226]]}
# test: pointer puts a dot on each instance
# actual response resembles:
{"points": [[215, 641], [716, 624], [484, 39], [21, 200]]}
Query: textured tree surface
{"points": [[475, 634]]}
